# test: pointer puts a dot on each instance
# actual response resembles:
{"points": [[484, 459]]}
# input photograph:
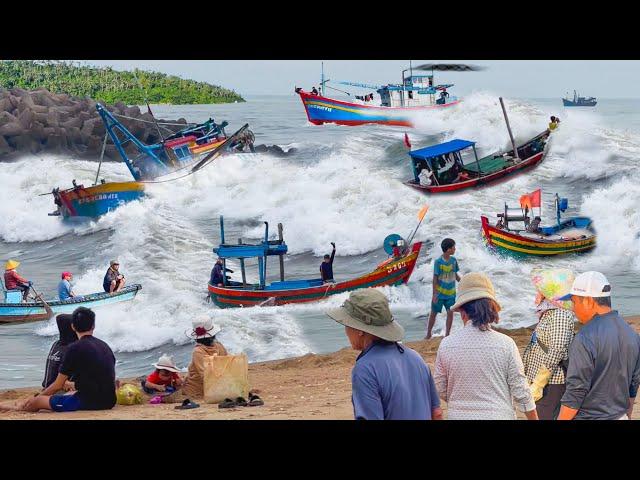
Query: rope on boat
{"points": [[329, 287]]}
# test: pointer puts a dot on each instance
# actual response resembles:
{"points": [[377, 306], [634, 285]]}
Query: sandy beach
{"points": [[311, 387]]}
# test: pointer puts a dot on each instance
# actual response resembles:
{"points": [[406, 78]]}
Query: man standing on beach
{"points": [[604, 358], [445, 275], [389, 381], [91, 363]]}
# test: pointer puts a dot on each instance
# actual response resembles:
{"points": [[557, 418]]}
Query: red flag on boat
{"points": [[531, 200], [406, 140]]}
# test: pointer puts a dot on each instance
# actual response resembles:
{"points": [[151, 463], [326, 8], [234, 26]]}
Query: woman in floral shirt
{"points": [[547, 353]]}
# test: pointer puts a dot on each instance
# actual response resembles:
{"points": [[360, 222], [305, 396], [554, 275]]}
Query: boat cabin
{"points": [[415, 91], [444, 163]]}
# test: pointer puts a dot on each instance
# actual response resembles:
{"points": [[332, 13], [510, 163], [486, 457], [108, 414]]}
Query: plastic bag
{"points": [[129, 394], [225, 376]]}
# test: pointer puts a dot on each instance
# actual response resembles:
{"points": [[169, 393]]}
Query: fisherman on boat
{"points": [[314, 91], [113, 280], [64, 287], [553, 124], [13, 281], [217, 277], [534, 226], [326, 267]]}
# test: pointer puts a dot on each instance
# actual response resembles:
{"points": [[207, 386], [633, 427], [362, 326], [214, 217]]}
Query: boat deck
{"points": [[562, 236], [489, 164]]}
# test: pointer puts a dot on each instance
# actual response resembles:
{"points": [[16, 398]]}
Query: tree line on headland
{"points": [[108, 85]]}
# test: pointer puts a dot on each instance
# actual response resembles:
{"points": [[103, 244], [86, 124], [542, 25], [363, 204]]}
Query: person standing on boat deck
{"points": [[13, 281], [445, 275], [113, 279], [314, 91], [390, 381], [326, 267], [604, 358], [64, 287], [217, 277], [553, 124]]}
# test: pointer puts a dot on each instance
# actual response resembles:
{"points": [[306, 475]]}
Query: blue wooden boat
{"points": [[95, 200], [13, 310], [579, 101], [193, 146]]}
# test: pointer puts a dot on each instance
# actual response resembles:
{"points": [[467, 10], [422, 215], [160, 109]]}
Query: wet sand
{"points": [[312, 387]]}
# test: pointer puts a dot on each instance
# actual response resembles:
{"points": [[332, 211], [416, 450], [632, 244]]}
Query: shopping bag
{"points": [[225, 376]]}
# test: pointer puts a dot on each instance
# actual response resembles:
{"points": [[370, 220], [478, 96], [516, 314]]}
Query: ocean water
{"points": [[343, 184]]}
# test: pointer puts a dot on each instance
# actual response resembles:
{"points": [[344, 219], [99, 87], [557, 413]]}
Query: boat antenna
{"points": [[144, 90]]}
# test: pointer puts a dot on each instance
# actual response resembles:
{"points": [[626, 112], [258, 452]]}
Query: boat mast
{"points": [[506, 119], [322, 79]]}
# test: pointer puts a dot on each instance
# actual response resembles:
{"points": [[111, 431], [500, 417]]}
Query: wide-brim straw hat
{"points": [[554, 283], [166, 363], [204, 328], [11, 264], [368, 311], [474, 286]]}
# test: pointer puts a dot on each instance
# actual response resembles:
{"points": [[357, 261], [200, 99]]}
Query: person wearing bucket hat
{"points": [[13, 281], [604, 357], [204, 332], [389, 381], [478, 371], [165, 378], [546, 355]]}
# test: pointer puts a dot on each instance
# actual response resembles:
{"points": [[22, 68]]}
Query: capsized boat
{"points": [[96, 200], [13, 310], [569, 235], [397, 104], [454, 165], [394, 271], [579, 101], [192, 146]]}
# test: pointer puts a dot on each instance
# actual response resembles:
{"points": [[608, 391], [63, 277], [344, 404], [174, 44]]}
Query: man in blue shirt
{"points": [[64, 287], [389, 381], [604, 358]]}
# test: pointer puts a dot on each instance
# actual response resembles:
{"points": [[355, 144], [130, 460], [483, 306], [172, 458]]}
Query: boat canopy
{"points": [[441, 149]]}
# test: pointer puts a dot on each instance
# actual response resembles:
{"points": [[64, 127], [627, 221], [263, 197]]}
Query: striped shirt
{"points": [[446, 273]]}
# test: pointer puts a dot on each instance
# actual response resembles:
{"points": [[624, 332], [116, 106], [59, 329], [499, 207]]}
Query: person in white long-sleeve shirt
{"points": [[478, 371]]}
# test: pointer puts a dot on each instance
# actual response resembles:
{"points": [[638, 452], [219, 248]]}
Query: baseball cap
{"points": [[589, 284]]}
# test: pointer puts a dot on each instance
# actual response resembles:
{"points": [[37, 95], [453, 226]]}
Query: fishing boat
{"points": [[397, 104], [579, 101], [96, 200], [13, 310], [569, 235], [394, 271], [194, 146], [454, 165]]}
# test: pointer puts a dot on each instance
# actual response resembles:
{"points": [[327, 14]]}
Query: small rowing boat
{"points": [[13, 310], [96, 200]]}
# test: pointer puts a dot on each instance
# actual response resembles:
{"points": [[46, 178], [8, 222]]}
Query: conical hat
{"points": [[11, 264]]}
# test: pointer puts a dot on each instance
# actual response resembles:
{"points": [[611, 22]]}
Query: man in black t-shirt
{"points": [[91, 363]]}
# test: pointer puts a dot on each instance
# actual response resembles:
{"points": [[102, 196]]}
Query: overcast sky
{"points": [[514, 78]]}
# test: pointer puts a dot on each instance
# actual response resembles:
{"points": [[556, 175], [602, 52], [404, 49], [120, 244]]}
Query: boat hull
{"points": [[395, 272], [491, 178], [569, 103], [516, 245], [97, 200], [322, 110], [35, 311]]}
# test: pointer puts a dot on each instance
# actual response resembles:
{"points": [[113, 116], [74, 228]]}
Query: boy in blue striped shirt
{"points": [[445, 275]]}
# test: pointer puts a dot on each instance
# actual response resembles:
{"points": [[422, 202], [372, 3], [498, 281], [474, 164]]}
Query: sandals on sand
{"points": [[255, 400], [187, 405]]}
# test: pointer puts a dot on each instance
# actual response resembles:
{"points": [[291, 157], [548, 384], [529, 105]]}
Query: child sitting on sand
{"points": [[165, 378]]}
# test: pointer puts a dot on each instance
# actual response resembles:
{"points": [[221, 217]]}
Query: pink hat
{"points": [[66, 274]]}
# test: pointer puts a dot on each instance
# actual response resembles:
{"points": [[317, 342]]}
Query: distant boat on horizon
{"points": [[579, 101]]}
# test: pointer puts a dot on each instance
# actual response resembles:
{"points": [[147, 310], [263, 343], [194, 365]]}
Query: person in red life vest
{"points": [[165, 378], [13, 281]]}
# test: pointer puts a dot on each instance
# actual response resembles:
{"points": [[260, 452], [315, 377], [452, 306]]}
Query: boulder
{"points": [[53, 119], [26, 118], [37, 132], [11, 129], [84, 116], [14, 101], [43, 98], [6, 117], [133, 111], [4, 146], [72, 122], [89, 127], [5, 104], [25, 143]]}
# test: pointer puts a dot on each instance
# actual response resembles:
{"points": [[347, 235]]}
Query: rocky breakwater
{"points": [[38, 121]]}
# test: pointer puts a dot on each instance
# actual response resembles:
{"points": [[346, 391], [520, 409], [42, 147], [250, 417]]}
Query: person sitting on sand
{"points": [[478, 371], [326, 267], [165, 378], [547, 353], [91, 363], [13, 281], [58, 351], [204, 333], [390, 381], [64, 287], [113, 280]]}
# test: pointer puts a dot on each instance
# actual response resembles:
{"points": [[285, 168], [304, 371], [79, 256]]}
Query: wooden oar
{"points": [[44, 304]]}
